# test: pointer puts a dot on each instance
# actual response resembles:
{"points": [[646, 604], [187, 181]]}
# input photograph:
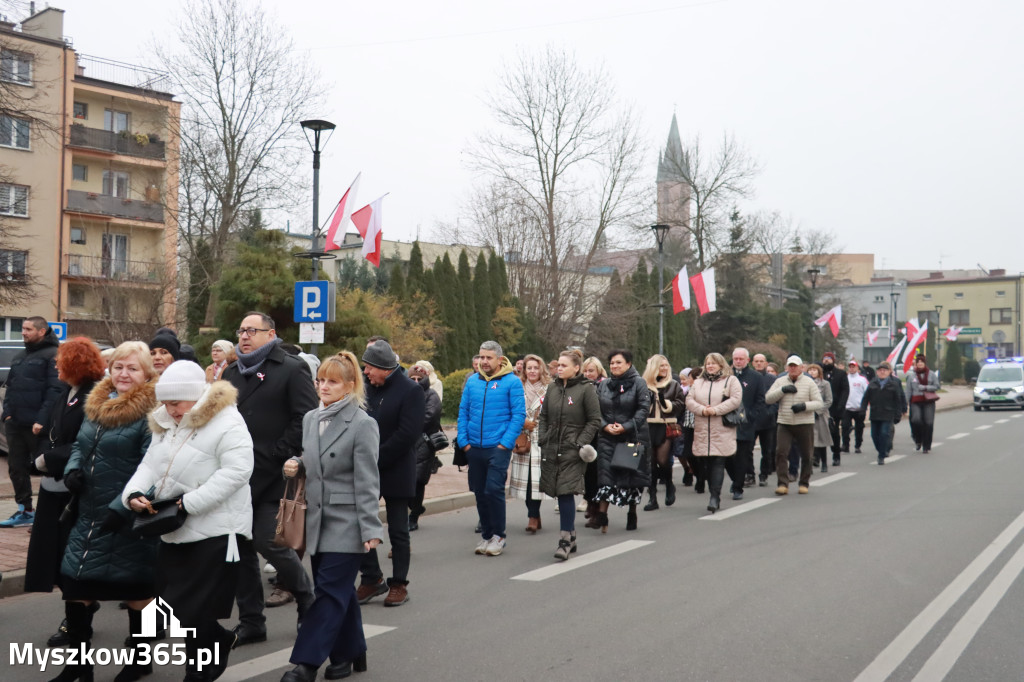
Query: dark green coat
{"points": [[569, 418], [108, 450]]}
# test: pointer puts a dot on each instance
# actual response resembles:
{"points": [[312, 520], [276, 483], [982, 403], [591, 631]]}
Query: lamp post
{"points": [[863, 336], [315, 253], [938, 339], [660, 232], [895, 296], [813, 274]]}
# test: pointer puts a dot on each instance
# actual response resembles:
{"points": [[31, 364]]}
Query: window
{"points": [[13, 132], [879, 299], [999, 316], [10, 328], [15, 67], [115, 255], [81, 110], [76, 297], [930, 316], [79, 171], [1001, 293], [77, 235], [14, 200], [879, 320], [960, 318], [926, 297], [959, 295], [13, 265], [115, 183], [116, 121]]}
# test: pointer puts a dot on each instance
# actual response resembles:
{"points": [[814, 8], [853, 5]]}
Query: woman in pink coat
{"points": [[714, 393]]}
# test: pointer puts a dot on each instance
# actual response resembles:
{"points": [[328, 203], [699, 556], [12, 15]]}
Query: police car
{"points": [[1000, 384]]}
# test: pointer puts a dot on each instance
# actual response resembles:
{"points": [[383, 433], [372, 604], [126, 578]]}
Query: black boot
{"points": [[716, 475], [134, 671], [79, 627], [670, 490], [631, 518], [652, 505]]}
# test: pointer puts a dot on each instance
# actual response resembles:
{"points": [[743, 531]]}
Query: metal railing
{"points": [[115, 269], [124, 74], [104, 204], [119, 143]]}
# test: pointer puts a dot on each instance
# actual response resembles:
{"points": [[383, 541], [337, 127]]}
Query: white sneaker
{"points": [[481, 547], [269, 569], [496, 546]]}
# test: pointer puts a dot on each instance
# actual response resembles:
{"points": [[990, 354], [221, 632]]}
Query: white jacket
{"points": [[206, 460]]}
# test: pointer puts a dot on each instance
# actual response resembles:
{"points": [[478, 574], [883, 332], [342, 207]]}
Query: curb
{"points": [[13, 583]]}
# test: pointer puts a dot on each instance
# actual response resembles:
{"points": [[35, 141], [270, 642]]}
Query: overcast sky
{"points": [[897, 125]]}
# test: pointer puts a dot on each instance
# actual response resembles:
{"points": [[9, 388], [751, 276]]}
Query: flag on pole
{"points": [[834, 319], [953, 332], [896, 352], [368, 221], [872, 337], [680, 292], [912, 346], [342, 214], [704, 290]]}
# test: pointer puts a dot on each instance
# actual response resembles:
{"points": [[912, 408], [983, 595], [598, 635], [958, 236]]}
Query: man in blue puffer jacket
{"points": [[491, 416]]}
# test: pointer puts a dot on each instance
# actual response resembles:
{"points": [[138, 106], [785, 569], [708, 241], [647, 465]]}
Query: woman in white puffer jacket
{"points": [[201, 456]]}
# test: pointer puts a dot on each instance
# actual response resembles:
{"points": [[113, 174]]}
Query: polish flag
{"points": [[872, 337], [342, 214], [834, 319], [704, 289], [680, 292], [896, 352], [912, 346], [952, 332], [368, 221]]}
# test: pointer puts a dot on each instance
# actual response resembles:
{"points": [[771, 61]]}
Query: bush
{"points": [[453, 393], [972, 368], [953, 369]]}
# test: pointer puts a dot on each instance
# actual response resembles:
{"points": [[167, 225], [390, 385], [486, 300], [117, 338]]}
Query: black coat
{"points": [[753, 402], [273, 407], [62, 428], [888, 403], [836, 376], [624, 400], [771, 412], [32, 383], [431, 424], [398, 407]]}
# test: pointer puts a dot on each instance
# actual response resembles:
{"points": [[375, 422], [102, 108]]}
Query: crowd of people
{"points": [[153, 465]]}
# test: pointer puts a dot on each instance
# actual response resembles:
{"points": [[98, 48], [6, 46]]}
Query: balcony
{"points": [[104, 204], [118, 143], [112, 269]]}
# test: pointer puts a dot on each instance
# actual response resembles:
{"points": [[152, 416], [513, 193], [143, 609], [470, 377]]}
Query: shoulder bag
{"points": [[627, 456], [291, 516], [167, 516], [737, 417], [522, 445]]}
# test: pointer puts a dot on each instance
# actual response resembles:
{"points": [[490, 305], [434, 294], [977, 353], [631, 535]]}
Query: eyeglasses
{"points": [[249, 331]]}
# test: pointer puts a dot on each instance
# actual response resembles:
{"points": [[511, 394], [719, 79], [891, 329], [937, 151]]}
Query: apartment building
{"points": [[90, 185]]}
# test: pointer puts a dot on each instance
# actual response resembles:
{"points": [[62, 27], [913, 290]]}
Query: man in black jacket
{"points": [[765, 426], [32, 389], [397, 404], [275, 391], [840, 392], [753, 404], [888, 404]]}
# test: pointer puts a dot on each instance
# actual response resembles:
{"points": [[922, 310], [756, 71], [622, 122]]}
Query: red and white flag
{"points": [[704, 290], [834, 319], [895, 354], [680, 292], [953, 332], [872, 337], [912, 346], [368, 221], [342, 214]]}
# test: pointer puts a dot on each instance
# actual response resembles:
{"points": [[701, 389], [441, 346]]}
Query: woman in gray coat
{"points": [[339, 460], [822, 433]]}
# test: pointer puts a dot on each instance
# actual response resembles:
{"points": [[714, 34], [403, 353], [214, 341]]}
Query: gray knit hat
{"points": [[379, 354], [183, 380]]}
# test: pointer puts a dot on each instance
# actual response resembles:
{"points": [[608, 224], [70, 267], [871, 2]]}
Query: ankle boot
{"points": [[134, 671], [572, 540], [631, 518], [715, 477], [564, 545], [652, 505], [602, 521], [79, 624], [670, 491]]}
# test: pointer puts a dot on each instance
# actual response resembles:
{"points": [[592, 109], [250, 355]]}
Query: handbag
{"points": [[737, 417], [627, 456], [438, 441], [291, 516], [930, 396], [168, 518], [673, 430], [522, 445]]}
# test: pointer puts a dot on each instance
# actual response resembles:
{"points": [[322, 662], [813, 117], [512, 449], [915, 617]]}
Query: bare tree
{"points": [[562, 176], [244, 89]]}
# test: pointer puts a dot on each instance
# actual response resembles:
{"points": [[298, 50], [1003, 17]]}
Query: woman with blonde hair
{"points": [[594, 371], [435, 383], [223, 354], [667, 403], [822, 434], [714, 394], [525, 466]]}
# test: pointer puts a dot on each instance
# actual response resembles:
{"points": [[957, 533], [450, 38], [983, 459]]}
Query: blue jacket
{"points": [[492, 410]]}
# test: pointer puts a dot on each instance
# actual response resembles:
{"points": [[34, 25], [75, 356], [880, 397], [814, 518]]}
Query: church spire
{"points": [[670, 161]]}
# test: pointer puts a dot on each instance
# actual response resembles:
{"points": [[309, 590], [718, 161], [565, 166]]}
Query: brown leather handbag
{"points": [[522, 445], [291, 516]]}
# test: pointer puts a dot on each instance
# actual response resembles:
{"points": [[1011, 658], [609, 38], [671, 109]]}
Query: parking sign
{"points": [[314, 301], [60, 330]]}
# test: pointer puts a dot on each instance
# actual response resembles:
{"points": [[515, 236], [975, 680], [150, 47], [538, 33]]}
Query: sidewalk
{"points": [[448, 490]]}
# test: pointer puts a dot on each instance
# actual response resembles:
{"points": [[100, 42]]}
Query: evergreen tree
{"points": [[414, 282], [467, 301], [498, 279], [486, 304], [396, 285], [954, 368], [258, 278], [737, 314]]}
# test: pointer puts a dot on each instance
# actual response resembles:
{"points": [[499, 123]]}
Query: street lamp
{"points": [[315, 253], [895, 296], [813, 274], [938, 339], [660, 232], [863, 336]]}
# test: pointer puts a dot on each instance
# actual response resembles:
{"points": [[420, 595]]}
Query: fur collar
{"points": [[124, 409], [218, 396]]}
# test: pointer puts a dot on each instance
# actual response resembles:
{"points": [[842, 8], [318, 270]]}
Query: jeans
{"points": [[922, 423], [333, 626], [881, 436], [567, 512], [291, 575], [853, 420], [488, 471], [801, 435], [397, 510], [21, 444]]}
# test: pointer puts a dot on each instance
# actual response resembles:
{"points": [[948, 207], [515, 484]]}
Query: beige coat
{"points": [[712, 438], [806, 392]]}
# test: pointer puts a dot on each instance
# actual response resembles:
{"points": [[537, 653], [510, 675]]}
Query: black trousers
{"points": [[766, 437], [740, 463], [21, 444], [833, 429], [397, 510], [853, 420]]}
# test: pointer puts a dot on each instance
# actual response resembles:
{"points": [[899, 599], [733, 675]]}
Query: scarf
{"points": [[327, 414], [712, 377], [250, 363], [533, 392]]}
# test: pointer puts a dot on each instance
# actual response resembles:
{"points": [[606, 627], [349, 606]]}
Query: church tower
{"points": [[674, 193]]}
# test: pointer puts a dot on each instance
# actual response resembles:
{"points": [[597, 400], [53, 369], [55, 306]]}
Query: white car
{"points": [[1000, 384]]}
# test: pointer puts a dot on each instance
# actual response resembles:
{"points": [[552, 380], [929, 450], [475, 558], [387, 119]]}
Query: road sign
{"points": [[969, 331], [311, 332], [315, 301], [60, 330]]}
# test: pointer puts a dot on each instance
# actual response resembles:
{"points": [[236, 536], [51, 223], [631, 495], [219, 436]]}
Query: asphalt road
{"points": [[904, 572]]}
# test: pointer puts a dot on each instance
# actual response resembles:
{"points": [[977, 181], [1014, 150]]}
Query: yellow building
{"points": [[91, 186]]}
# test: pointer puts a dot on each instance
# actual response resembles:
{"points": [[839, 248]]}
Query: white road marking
{"points": [[818, 482], [582, 560], [890, 459], [1017, 416], [1002, 421], [957, 436], [982, 427], [740, 509], [255, 667], [935, 445], [900, 647]]}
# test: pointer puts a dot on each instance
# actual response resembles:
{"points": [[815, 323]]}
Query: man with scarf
{"points": [[840, 394], [275, 391], [491, 416]]}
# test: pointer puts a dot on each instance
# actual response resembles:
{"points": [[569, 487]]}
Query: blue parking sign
{"points": [[60, 330], [314, 301]]}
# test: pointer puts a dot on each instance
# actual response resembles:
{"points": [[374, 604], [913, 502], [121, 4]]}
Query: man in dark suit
{"points": [[753, 404], [275, 391]]}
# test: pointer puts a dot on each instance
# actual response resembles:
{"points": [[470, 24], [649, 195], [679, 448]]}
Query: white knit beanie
{"points": [[183, 380]]}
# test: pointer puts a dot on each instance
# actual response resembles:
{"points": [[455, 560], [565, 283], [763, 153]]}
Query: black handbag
{"points": [[168, 518], [737, 417], [438, 441], [627, 456]]}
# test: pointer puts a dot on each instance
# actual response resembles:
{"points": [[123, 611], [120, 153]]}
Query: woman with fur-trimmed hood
{"points": [[201, 456]]}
